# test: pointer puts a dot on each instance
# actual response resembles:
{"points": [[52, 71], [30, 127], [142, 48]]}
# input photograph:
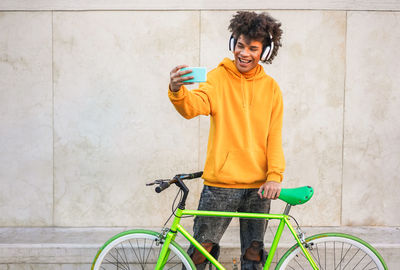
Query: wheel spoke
{"points": [[176, 264], [113, 257], [314, 257], [126, 258], [170, 259], [122, 262], [116, 264], [298, 264], [360, 260], [122, 257], [334, 253], [365, 267], [140, 255], [342, 258], [351, 258], [319, 260], [144, 250], [133, 251], [150, 249], [325, 254]]}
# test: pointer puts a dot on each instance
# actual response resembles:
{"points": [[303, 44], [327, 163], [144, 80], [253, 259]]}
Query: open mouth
{"points": [[244, 61]]}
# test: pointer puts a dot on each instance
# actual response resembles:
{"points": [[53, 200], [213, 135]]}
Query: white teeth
{"points": [[243, 61]]}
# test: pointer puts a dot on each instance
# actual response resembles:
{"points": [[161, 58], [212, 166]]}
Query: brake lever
{"points": [[157, 182]]}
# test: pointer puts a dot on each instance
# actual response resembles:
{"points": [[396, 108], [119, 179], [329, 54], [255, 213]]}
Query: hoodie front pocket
{"points": [[243, 166]]}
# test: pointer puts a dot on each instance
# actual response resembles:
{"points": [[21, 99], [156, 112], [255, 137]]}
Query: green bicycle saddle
{"points": [[295, 196]]}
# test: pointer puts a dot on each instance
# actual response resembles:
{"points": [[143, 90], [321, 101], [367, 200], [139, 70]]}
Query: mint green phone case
{"points": [[199, 74]]}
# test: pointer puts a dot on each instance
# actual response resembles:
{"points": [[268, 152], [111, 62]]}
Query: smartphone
{"points": [[199, 74]]}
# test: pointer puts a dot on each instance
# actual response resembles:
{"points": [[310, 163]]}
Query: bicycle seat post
{"points": [[287, 209]]}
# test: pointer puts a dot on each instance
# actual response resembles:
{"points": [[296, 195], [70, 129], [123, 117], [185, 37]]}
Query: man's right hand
{"points": [[176, 81]]}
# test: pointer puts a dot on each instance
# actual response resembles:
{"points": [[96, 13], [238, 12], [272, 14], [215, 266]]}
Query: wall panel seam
{"points": [[197, 9], [52, 105], [343, 119], [199, 119]]}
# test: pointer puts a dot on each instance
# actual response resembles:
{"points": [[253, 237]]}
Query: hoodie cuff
{"points": [[274, 177], [180, 94]]}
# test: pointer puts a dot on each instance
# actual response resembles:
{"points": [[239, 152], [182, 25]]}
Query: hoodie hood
{"points": [[255, 73], [246, 80]]}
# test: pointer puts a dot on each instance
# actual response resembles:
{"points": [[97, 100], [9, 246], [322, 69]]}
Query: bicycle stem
{"points": [[185, 189]]}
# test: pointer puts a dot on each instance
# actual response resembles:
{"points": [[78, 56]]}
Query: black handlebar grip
{"points": [[162, 186], [196, 175]]}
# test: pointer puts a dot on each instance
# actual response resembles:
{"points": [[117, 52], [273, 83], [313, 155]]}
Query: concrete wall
{"points": [[86, 121]]}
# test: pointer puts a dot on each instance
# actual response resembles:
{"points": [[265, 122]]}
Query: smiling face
{"points": [[247, 54]]}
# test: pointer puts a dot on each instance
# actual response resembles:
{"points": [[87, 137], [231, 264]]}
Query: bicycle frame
{"points": [[112, 253], [176, 227]]}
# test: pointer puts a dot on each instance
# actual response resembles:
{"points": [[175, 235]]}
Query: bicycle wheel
{"points": [[333, 251], [138, 249]]}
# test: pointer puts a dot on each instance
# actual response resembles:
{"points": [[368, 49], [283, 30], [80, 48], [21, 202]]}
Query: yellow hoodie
{"points": [[245, 141]]}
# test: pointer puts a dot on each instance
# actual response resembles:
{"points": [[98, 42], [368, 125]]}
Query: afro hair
{"points": [[258, 27]]}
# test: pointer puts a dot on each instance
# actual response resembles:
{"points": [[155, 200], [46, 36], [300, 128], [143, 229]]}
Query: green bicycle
{"points": [[145, 249]]}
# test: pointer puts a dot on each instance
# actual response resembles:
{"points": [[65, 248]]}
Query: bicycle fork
{"points": [[170, 236], [166, 238]]}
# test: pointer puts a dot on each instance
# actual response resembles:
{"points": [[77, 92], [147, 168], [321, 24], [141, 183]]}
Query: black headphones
{"points": [[266, 51]]}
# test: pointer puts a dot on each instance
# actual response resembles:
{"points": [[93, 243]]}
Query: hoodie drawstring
{"points": [[244, 103], [242, 89], [252, 91]]}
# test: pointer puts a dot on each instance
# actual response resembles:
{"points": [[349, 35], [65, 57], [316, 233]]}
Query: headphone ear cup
{"points": [[232, 43], [270, 52], [265, 53]]}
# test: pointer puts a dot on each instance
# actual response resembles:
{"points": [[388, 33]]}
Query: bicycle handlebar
{"points": [[164, 184], [191, 175], [292, 196]]}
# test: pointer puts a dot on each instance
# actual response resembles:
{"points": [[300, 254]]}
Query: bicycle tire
{"points": [[333, 251], [138, 249]]}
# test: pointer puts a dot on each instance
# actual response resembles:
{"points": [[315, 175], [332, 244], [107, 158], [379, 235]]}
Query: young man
{"points": [[245, 163]]}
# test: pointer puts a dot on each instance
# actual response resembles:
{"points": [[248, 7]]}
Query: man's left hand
{"points": [[270, 190]]}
